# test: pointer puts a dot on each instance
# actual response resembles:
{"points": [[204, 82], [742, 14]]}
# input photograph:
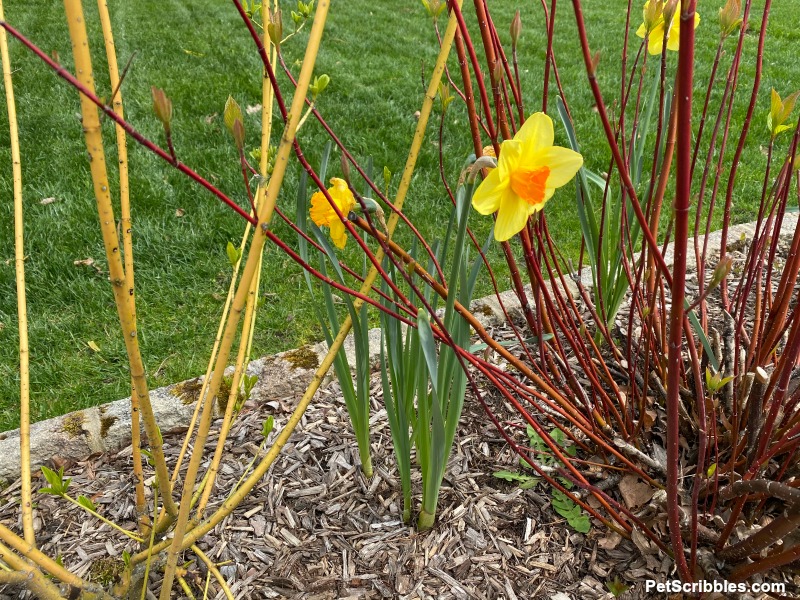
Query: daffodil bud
{"points": [[484, 162], [516, 29], [369, 205], [162, 107], [729, 17], [670, 6], [652, 14]]}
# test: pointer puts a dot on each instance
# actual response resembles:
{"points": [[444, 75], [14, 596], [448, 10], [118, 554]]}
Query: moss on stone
{"points": [[188, 391], [484, 309], [302, 358], [105, 425], [73, 424]]}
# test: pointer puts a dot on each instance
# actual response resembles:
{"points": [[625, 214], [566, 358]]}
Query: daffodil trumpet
{"points": [[529, 170]]}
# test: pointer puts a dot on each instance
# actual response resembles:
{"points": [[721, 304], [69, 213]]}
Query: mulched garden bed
{"points": [[315, 528]]}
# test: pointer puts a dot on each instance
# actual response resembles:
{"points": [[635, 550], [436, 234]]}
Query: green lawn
{"points": [[199, 53]]}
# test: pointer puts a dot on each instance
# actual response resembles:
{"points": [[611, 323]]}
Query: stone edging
{"points": [[107, 428]]}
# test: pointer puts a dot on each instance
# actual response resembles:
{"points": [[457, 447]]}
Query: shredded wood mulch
{"points": [[315, 528]]}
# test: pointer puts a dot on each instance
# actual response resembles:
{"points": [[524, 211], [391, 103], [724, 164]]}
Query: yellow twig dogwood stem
{"points": [[233, 394], [248, 327], [127, 245], [44, 562], [267, 102], [529, 170], [237, 497], [27, 576], [265, 206], [212, 568], [22, 304], [94, 146], [212, 359]]}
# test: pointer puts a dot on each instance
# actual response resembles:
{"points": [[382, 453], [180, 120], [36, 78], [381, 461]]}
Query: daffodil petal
{"points": [[321, 210], [511, 217], [674, 38], [486, 199], [338, 233], [655, 43], [510, 152], [536, 133], [563, 164], [342, 195], [642, 31]]}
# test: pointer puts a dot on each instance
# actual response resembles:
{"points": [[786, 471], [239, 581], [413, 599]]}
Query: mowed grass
{"points": [[199, 52]]}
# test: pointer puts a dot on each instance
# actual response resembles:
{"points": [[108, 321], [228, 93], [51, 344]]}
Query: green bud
{"points": [[275, 28], [234, 121], [319, 85], [516, 29], [387, 176], [434, 7], [729, 17], [162, 107], [345, 168], [720, 272], [444, 95]]}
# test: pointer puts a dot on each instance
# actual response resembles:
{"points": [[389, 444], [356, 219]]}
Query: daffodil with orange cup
{"points": [[529, 170]]}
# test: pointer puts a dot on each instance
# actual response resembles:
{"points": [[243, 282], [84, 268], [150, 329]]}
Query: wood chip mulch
{"points": [[315, 528]]}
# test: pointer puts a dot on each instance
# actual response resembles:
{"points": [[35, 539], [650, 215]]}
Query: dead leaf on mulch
{"points": [[644, 545], [635, 493], [610, 541]]}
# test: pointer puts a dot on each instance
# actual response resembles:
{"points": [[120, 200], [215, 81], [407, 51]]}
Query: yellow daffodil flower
{"points": [[528, 171], [322, 212], [653, 26]]}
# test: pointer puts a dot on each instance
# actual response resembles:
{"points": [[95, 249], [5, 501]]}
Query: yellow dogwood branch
{"points": [[265, 206], [22, 306], [97, 162], [241, 493]]}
